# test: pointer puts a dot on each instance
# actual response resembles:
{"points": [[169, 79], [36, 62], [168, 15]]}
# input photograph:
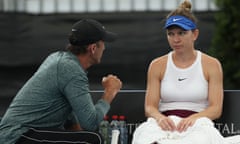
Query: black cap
{"points": [[88, 31]]}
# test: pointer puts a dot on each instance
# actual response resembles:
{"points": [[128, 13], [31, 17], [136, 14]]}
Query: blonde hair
{"points": [[184, 9]]}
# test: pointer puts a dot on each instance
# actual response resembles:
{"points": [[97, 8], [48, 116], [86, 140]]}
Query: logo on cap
{"points": [[176, 19], [74, 30]]}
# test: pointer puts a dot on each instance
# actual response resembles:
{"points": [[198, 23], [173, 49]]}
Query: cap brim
{"points": [[183, 26], [110, 36], [180, 21]]}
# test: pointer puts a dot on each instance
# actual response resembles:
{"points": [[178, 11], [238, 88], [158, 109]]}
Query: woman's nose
{"points": [[176, 38]]}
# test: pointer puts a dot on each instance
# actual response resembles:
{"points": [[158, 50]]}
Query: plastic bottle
{"points": [[115, 136], [123, 138], [114, 129], [104, 130]]}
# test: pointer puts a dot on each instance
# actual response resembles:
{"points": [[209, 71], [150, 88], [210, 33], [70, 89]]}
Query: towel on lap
{"points": [[202, 132]]}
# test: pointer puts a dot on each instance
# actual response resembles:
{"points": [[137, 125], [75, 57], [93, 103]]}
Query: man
{"points": [[59, 90]]}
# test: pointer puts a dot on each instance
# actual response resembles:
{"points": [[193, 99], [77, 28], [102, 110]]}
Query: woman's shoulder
{"points": [[160, 60], [211, 65], [158, 66], [209, 60]]}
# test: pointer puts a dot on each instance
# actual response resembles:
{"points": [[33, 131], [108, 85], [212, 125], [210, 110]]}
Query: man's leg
{"points": [[49, 136]]}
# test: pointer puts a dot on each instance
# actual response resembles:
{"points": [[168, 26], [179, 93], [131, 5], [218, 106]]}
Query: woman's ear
{"points": [[195, 33]]}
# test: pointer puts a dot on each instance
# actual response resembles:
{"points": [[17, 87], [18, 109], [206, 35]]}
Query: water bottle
{"points": [[104, 130], [123, 138], [114, 129]]}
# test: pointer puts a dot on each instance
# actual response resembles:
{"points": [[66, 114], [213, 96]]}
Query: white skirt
{"points": [[202, 132]]}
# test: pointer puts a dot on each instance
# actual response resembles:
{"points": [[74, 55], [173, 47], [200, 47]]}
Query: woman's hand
{"points": [[166, 124], [185, 123]]}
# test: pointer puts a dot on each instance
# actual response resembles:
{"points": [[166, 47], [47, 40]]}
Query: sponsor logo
{"points": [[181, 79], [176, 19]]}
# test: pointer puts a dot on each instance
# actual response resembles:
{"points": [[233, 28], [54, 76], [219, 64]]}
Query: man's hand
{"points": [[112, 84]]}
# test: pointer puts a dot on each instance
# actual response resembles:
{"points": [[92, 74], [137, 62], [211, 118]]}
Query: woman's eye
{"points": [[170, 34], [182, 33]]}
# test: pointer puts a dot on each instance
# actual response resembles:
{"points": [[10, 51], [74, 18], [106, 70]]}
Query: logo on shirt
{"points": [[181, 79]]}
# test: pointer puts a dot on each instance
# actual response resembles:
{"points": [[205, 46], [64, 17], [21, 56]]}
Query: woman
{"points": [[184, 89]]}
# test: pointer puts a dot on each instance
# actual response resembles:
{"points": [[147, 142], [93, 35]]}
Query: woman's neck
{"points": [[184, 60]]}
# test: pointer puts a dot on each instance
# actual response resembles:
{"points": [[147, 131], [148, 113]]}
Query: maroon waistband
{"points": [[180, 113]]}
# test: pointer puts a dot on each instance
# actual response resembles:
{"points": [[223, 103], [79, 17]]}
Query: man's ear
{"points": [[92, 48]]}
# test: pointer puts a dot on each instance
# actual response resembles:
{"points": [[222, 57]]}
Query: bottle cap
{"points": [[121, 117], [114, 117], [105, 117]]}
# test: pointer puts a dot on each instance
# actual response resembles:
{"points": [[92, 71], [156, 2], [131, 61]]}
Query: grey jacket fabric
{"points": [[58, 88]]}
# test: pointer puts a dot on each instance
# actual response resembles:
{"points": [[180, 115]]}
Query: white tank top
{"points": [[184, 88]]}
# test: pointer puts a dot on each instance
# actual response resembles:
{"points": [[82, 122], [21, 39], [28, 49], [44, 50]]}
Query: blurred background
{"points": [[32, 29]]}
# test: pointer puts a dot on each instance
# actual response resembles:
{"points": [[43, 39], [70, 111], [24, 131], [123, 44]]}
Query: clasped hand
{"points": [[112, 84], [168, 124]]}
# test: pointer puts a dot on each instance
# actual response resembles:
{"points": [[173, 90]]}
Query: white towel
{"points": [[232, 139], [202, 132]]}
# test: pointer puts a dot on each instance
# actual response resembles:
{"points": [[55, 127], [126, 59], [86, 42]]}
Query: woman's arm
{"points": [[155, 73], [213, 73], [152, 96]]}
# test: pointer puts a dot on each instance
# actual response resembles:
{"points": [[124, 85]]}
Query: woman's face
{"points": [[180, 39]]}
